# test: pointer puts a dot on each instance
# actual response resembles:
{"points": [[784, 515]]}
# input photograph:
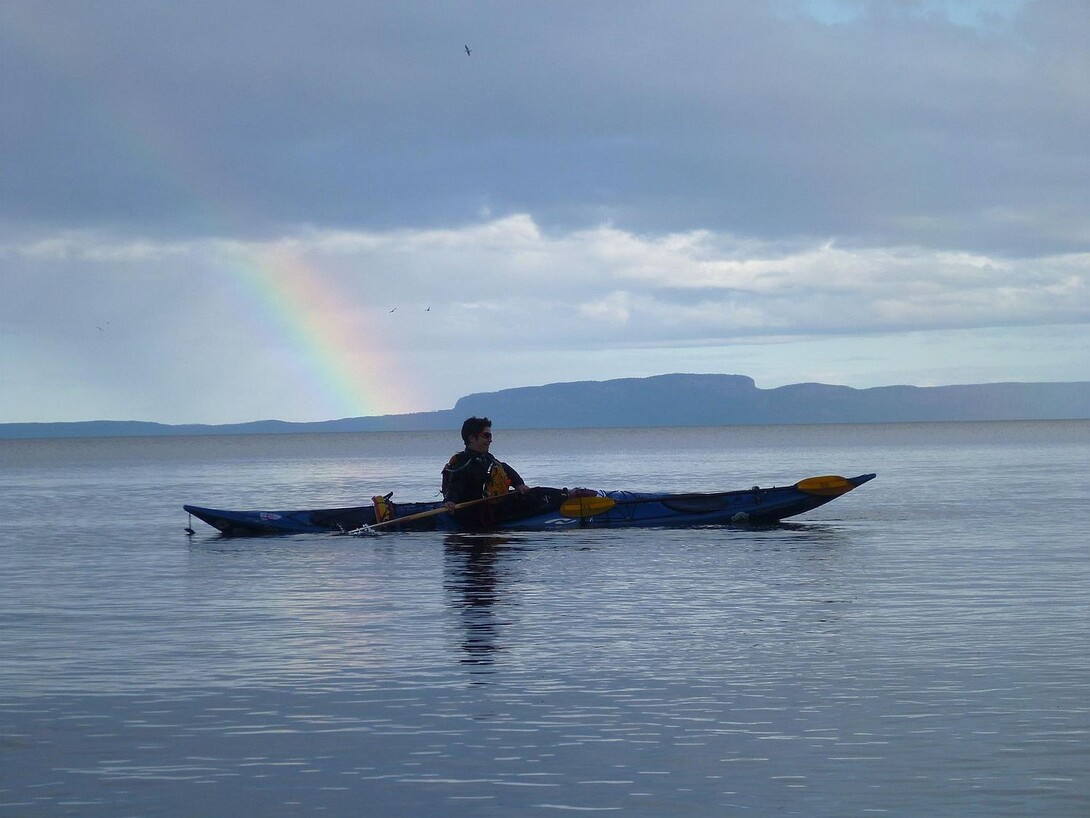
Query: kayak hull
{"points": [[549, 508]]}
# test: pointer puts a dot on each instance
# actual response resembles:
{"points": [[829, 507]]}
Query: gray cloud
{"points": [[888, 128]]}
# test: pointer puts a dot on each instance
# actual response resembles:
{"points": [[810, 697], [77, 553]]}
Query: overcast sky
{"points": [[228, 211]]}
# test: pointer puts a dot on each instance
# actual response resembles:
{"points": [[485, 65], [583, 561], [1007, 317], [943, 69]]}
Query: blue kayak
{"points": [[546, 508]]}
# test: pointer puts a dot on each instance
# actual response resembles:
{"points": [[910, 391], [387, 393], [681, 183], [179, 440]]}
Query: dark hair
{"points": [[474, 426]]}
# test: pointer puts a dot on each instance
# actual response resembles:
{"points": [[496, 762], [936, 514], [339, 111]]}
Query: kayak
{"points": [[546, 508]]}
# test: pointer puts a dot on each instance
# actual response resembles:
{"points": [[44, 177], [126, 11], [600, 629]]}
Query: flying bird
{"points": [[468, 52], [394, 309]]}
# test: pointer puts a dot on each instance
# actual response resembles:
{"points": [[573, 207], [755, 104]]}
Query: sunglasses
{"points": [[485, 435]]}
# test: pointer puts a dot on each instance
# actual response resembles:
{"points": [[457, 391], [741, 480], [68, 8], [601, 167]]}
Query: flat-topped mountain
{"points": [[661, 400], [713, 400]]}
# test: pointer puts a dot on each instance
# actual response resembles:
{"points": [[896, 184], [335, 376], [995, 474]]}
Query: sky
{"points": [[220, 212]]}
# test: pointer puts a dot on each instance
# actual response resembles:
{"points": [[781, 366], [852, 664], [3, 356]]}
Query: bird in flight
{"points": [[468, 52]]}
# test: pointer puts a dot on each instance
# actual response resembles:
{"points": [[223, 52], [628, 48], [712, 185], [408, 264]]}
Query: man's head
{"points": [[477, 432]]}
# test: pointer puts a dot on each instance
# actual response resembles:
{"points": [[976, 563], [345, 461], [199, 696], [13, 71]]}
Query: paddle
{"points": [[368, 530], [576, 507]]}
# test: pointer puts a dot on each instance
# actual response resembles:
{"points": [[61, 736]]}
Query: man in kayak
{"points": [[475, 473]]}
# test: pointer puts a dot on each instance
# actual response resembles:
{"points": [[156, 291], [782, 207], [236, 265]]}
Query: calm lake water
{"points": [[917, 647]]}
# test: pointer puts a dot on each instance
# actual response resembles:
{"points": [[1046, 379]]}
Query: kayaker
{"points": [[475, 473]]}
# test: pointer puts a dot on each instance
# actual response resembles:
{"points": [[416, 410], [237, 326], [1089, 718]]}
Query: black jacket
{"points": [[471, 475]]}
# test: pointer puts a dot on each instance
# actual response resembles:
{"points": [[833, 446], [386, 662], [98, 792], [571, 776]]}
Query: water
{"points": [[919, 646]]}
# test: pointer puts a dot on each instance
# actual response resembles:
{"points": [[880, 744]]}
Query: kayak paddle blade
{"points": [[578, 507], [830, 485]]}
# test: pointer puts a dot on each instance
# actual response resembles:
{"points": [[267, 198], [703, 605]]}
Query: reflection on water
{"points": [[474, 578]]}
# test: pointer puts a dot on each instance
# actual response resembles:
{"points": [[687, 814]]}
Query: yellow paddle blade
{"points": [[831, 485], [586, 506]]}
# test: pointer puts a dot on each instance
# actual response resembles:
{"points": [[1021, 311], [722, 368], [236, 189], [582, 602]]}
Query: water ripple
{"points": [[915, 650]]}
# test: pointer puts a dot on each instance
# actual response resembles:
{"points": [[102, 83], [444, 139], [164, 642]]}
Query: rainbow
{"points": [[347, 365], [334, 342]]}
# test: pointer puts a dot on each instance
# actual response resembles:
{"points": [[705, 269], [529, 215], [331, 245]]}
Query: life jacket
{"points": [[384, 509], [498, 482]]}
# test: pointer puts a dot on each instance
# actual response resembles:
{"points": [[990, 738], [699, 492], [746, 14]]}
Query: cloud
{"points": [[252, 319], [314, 210], [903, 127]]}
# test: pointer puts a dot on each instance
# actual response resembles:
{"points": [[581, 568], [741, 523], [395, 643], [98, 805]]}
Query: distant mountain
{"points": [[662, 400], [442, 419], [716, 400]]}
